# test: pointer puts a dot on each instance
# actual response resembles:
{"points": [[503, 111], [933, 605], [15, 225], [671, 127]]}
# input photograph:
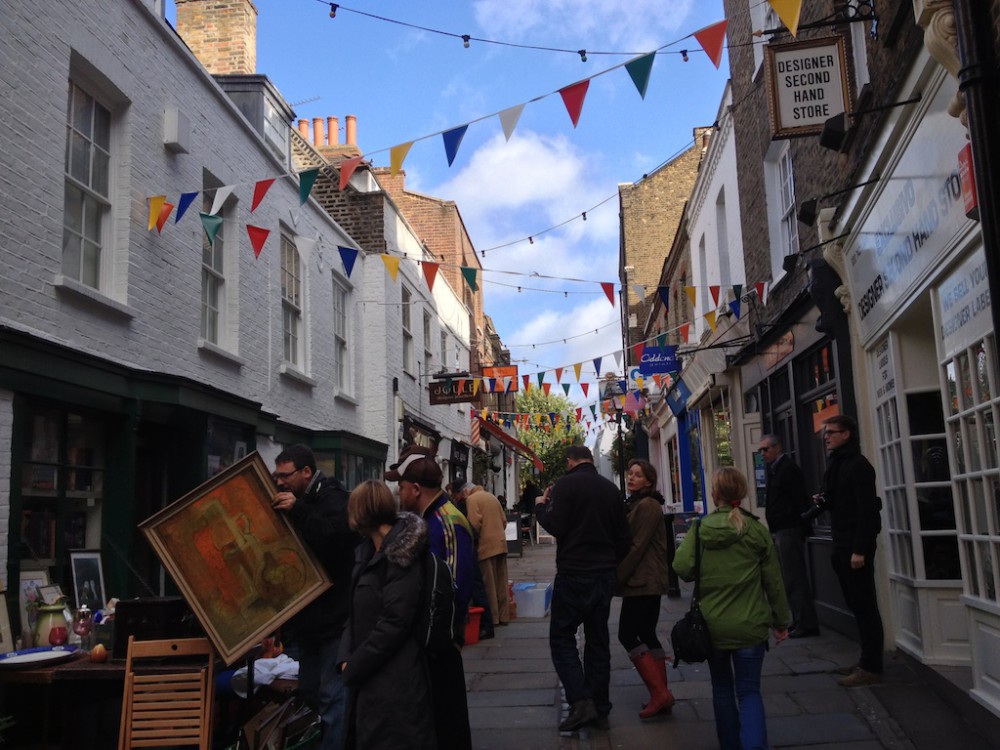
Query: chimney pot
{"points": [[304, 129], [352, 130], [332, 130], [318, 131]]}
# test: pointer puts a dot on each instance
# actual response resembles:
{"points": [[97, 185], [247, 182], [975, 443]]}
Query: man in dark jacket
{"points": [[586, 514], [787, 500], [849, 493], [317, 506]]}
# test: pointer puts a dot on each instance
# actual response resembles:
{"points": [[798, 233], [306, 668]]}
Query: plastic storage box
{"points": [[533, 599]]}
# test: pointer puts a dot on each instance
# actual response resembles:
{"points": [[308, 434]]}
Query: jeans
{"points": [[790, 545], [858, 587], [736, 680], [322, 688], [583, 599], [637, 622]]}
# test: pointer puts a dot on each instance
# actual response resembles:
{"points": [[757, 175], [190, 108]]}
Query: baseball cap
{"points": [[458, 485], [416, 464]]}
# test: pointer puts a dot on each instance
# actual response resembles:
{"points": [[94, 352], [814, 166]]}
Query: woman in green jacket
{"points": [[742, 598]]}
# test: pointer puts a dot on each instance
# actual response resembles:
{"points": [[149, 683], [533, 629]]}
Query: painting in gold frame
{"points": [[239, 563]]}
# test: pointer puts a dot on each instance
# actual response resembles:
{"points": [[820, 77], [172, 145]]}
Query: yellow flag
{"points": [[391, 265], [788, 11], [576, 368], [710, 317], [155, 204], [692, 293], [475, 390], [397, 154]]}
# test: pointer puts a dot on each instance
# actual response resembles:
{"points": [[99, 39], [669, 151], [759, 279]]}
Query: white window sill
{"points": [[346, 398], [89, 295], [214, 350], [291, 372]]}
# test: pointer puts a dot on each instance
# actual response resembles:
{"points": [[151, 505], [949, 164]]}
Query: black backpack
{"points": [[436, 628]]}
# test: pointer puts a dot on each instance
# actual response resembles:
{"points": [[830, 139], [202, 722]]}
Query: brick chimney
{"points": [[328, 142], [222, 34]]}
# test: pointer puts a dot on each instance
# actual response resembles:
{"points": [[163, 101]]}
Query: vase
{"points": [[51, 624]]}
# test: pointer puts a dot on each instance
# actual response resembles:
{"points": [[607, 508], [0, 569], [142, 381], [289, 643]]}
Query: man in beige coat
{"points": [[489, 520]]}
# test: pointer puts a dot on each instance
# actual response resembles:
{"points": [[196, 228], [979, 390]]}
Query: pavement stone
{"points": [[515, 700]]}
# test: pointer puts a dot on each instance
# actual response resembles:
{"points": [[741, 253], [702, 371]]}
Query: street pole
{"points": [[977, 80]]}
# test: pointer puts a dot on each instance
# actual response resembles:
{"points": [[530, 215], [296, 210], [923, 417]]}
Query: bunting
{"points": [[212, 224], [639, 70], [186, 200], [258, 236], [609, 290], [347, 169], [663, 292], [391, 265], [306, 181], [165, 210], [509, 118], [259, 191], [155, 204], [348, 255], [712, 39], [430, 272], [788, 11], [452, 141], [573, 97], [469, 274], [397, 155], [221, 196]]}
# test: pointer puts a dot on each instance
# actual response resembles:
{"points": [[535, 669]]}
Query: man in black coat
{"points": [[855, 519], [317, 506], [586, 514], [787, 500]]}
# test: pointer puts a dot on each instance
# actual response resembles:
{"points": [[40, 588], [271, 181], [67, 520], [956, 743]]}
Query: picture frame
{"points": [[29, 597], [240, 451], [88, 578], [6, 636], [241, 567]]}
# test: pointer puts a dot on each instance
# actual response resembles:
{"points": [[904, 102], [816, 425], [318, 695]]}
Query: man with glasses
{"points": [[786, 501], [855, 520], [317, 507]]}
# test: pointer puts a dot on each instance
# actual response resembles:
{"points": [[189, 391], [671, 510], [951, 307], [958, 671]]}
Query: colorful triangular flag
{"points": [[347, 256], [710, 318], [712, 39], [221, 195], [430, 272], [509, 118], [186, 200], [391, 265], [452, 141], [576, 369], [307, 179], [609, 290], [469, 274], [397, 155], [597, 365], [585, 387], [155, 204], [165, 210], [347, 168], [735, 307], [715, 294], [259, 191], [639, 69], [664, 294], [573, 97], [788, 11], [258, 236], [212, 224], [692, 293]]}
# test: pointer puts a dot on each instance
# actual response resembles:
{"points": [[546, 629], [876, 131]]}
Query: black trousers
{"points": [[451, 707], [860, 594], [637, 622]]}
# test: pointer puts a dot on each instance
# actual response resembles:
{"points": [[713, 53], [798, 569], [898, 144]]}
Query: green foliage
{"points": [[622, 450], [549, 445]]}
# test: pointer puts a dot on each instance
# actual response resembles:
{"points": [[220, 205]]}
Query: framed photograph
{"points": [[240, 565], [88, 578], [29, 597], [240, 451]]}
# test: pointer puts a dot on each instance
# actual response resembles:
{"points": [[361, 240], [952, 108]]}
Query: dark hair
{"points": [[579, 453], [370, 505], [300, 455], [647, 469], [844, 422], [772, 440]]}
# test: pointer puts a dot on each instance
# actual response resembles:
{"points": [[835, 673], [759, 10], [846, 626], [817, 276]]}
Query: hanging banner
{"points": [[451, 391], [503, 375], [658, 359], [807, 82]]}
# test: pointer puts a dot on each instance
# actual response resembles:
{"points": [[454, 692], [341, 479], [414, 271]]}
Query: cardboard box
{"points": [[533, 599]]}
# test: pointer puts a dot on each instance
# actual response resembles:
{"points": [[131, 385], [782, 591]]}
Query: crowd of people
{"points": [[375, 683]]}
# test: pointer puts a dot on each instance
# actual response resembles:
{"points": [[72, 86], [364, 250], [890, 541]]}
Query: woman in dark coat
{"points": [[389, 698], [643, 577]]}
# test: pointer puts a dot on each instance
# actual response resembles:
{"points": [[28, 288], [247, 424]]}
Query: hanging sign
{"points": [[499, 373], [451, 391], [808, 85], [658, 359]]}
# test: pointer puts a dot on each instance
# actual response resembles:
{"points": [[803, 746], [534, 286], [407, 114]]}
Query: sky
{"points": [[404, 84]]}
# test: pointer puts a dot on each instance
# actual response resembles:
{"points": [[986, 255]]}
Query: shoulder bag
{"points": [[690, 638]]}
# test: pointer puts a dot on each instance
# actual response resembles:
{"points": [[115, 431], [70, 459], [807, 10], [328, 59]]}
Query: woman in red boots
{"points": [[642, 580]]}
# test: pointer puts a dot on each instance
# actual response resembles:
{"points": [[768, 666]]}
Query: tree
{"points": [[548, 444]]}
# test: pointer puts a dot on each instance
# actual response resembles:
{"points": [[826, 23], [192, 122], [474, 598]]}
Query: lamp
{"points": [[836, 128], [465, 40], [333, 10], [809, 209]]}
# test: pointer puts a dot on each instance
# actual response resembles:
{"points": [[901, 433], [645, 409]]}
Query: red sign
{"points": [[451, 391], [967, 173]]}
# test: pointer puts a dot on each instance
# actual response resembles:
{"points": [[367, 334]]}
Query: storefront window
{"points": [[694, 440], [722, 429]]}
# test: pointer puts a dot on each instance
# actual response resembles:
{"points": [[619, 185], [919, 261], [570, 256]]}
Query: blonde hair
{"points": [[370, 505], [729, 487]]}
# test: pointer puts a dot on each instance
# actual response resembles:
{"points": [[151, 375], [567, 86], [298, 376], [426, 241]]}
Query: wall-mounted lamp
{"points": [[835, 129], [789, 262], [809, 209]]}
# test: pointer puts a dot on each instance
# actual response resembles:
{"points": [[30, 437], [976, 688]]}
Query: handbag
{"points": [[689, 637]]}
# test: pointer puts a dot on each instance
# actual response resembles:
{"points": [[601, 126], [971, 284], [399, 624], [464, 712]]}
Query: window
{"points": [[212, 279], [859, 49], [444, 349], [406, 299], [782, 223], [340, 369], [427, 341], [87, 208], [762, 18], [291, 301]]}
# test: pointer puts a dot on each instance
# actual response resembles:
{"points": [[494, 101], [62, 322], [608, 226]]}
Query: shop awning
{"points": [[514, 444]]}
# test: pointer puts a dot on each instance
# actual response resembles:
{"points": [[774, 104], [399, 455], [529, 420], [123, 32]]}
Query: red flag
{"points": [[347, 167], [165, 210], [259, 191], [639, 349], [759, 286], [546, 387], [715, 294], [584, 387], [685, 330], [712, 39], [559, 374], [430, 273], [527, 383], [609, 289], [258, 236], [573, 97]]}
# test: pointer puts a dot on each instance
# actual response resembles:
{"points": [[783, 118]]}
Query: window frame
{"points": [[341, 334], [779, 185], [406, 301], [292, 306]]}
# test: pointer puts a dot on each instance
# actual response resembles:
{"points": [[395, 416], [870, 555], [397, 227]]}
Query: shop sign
{"points": [[418, 433], [964, 305], [499, 373], [451, 391], [915, 218], [808, 85], [658, 359], [885, 372], [967, 172]]}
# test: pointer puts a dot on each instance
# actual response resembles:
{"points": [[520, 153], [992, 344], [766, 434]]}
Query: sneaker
{"points": [[581, 713], [846, 670], [860, 677]]}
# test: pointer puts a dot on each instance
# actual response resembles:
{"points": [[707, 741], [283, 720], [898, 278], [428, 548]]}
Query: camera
{"points": [[820, 504]]}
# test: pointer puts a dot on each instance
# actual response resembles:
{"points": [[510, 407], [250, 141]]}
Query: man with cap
{"points": [[450, 538], [317, 507]]}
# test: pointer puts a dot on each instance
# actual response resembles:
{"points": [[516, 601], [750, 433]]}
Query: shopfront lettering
{"points": [[871, 296]]}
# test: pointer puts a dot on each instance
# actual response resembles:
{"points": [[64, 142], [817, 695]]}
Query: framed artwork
{"points": [[88, 578], [6, 637], [240, 452], [30, 597], [240, 565]]}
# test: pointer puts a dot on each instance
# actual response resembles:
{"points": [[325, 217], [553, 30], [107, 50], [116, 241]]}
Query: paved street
{"points": [[515, 701]]}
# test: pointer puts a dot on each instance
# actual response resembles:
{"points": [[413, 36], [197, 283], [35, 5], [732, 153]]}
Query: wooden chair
{"points": [[168, 704]]}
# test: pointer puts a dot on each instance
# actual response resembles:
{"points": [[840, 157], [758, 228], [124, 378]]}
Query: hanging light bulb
{"points": [[531, 240], [684, 55], [333, 10], [584, 215], [583, 55], [465, 40]]}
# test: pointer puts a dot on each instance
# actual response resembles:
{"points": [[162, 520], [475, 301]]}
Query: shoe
{"points": [[846, 670], [860, 677], [653, 672], [581, 713], [485, 634], [601, 723], [803, 632]]}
